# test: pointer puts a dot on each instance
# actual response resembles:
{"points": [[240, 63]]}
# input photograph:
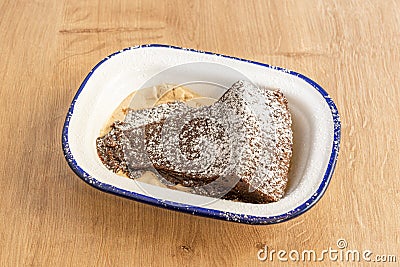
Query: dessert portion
{"points": [[238, 148]]}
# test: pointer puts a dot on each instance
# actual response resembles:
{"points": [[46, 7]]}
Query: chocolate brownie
{"points": [[239, 148]]}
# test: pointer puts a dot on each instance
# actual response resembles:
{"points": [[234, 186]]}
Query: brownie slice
{"points": [[238, 148]]}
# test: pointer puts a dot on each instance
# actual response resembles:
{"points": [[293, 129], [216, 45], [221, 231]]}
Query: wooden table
{"points": [[49, 217]]}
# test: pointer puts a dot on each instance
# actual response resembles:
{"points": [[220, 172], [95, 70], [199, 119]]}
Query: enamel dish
{"points": [[316, 129]]}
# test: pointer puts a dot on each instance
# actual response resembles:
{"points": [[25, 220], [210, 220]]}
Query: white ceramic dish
{"points": [[316, 128]]}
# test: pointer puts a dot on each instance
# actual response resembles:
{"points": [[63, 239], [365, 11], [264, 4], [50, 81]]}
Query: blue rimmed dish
{"points": [[316, 129]]}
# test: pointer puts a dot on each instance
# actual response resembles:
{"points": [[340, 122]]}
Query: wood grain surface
{"points": [[49, 217]]}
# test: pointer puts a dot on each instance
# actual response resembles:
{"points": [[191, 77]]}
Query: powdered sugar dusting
{"points": [[273, 139], [244, 137]]}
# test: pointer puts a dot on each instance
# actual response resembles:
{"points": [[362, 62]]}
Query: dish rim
{"points": [[201, 211]]}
